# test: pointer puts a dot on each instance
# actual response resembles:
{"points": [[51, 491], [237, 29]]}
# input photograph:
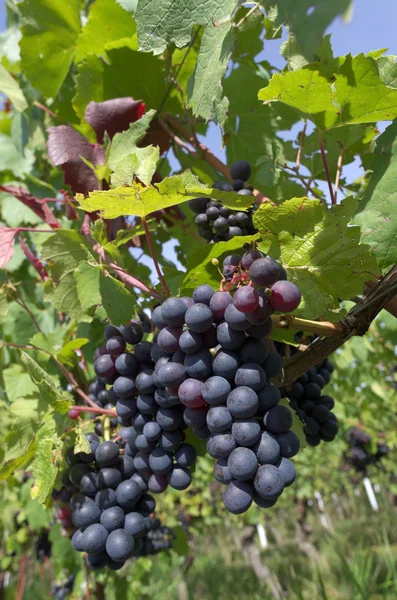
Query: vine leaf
{"points": [[354, 94], [377, 208], [125, 158], [49, 392], [113, 115], [10, 87], [13, 464], [320, 251], [160, 22], [48, 45], [7, 240], [97, 289], [48, 459], [64, 250], [97, 34], [141, 201]]}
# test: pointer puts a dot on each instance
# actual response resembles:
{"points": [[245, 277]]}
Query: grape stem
{"points": [[106, 426], [356, 322], [154, 258], [320, 327], [338, 173], [95, 409], [326, 169], [202, 151]]}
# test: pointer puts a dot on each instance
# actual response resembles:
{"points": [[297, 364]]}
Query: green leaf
{"points": [[10, 87], [162, 22], [49, 36], [319, 249], [97, 288], [354, 94], [49, 342], [99, 80], [67, 355], [97, 34], [136, 200], [205, 85], [308, 20], [11, 159], [199, 268], [65, 250], [47, 461], [17, 382], [49, 392], [14, 464], [377, 209], [125, 158]]}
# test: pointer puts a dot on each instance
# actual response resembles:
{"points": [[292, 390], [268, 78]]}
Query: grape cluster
{"points": [[59, 592], [112, 508], [218, 223], [151, 417], [362, 453], [212, 356], [43, 546], [312, 407]]}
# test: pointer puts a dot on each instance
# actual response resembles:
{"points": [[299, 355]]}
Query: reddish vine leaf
{"points": [[113, 116], [65, 149], [7, 239]]}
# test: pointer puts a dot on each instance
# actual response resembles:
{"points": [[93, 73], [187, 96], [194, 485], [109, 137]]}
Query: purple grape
{"points": [[285, 296], [218, 304], [264, 272], [246, 299]]}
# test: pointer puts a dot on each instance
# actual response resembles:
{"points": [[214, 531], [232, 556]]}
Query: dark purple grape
{"points": [[264, 272], [238, 497], [104, 366], [240, 169], [249, 257], [285, 296], [246, 299], [168, 339], [242, 464], [218, 304]]}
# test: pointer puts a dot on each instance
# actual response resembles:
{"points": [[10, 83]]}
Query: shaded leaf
{"points": [[65, 149], [7, 239], [14, 464], [320, 251], [47, 461], [10, 87], [113, 116], [49, 392]]}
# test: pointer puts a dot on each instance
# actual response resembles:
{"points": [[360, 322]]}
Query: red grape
{"points": [[246, 299], [285, 296]]}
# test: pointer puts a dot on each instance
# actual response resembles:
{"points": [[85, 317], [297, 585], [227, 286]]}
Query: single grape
{"points": [[219, 419], [106, 498], [89, 484], [86, 514], [199, 364], [287, 471], [261, 314], [74, 413], [157, 483], [107, 454], [272, 365], [236, 319], [246, 299], [249, 257], [152, 431], [208, 338], [126, 408], [278, 419], [264, 272], [238, 184], [199, 317], [173, 311], [221, 224], [195, 417], [242, 402], [260, 331], [97, 561], [285, 296], [289, 444], [171, 440], [108, 477], [179, 478], [198, 205], [76, 473], [221, 471], [111, 331], [190, 342], [135, 524], [232, 259], [250, 375], [216, 390], [172, 374], [226, 364], [220, 444], [94, 538], [168, 338], [142, 352], [238, 497], [186, 455], [120, 545], [246, 432], [126, 466], [133, 332], [203, 294], [190, 393], [124, 386], [242, 464], [115, 345], [146, 504], [169, 419], [240, 169], [218, 303], [160, 461], [253, 351], [268, 397], [128, 493], [98, 352], [262, 503], [268, 482], [104, 366], [76, 539], [267, 449], [157, 318]]}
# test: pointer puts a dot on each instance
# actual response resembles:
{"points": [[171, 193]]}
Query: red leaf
{"points": [[113, 116], [7, 238], [65, 148]]}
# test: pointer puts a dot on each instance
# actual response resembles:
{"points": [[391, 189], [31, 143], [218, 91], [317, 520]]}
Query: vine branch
{"points": [[154, 258], [320, 327], [356, 322], [326, 169]]}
